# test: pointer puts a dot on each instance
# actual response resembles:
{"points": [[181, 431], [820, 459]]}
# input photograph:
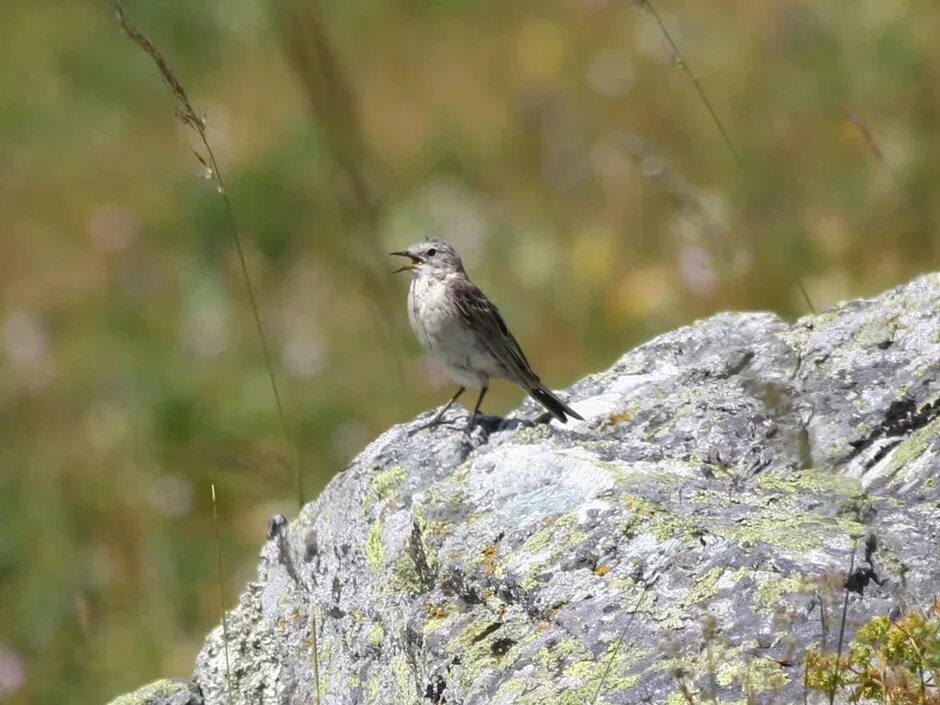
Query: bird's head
{"points": [[431, 257]]}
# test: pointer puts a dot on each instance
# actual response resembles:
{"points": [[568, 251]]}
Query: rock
{"points": [[733, 481], [169, 691]]}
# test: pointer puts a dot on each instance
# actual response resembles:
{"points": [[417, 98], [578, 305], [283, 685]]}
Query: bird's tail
{"points": [[555, 406]]}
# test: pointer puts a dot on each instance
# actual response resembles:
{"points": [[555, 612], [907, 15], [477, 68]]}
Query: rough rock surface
{"points": [[169, 691], [689, 540]]}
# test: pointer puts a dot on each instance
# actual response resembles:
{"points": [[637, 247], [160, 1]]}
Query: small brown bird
{"points": [[455, 322]]}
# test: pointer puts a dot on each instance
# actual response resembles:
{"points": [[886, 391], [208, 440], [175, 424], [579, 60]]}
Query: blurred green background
{"points": [[559, 144]]}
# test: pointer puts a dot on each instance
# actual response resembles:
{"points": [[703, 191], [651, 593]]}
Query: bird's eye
{"points": [[432, 252]]}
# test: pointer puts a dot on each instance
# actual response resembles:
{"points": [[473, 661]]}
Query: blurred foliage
{"points": [[889, 661], [555, 143]]}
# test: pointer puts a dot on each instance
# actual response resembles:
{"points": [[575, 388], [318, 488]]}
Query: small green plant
{"points": [[889, 661]]}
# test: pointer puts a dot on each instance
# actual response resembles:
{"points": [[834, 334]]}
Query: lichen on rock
{"points": [[690, 538], [167, 691]]}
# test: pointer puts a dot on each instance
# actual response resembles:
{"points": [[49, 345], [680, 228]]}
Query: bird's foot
{"points": [[438, 420], [433, 423], [487, 424]]}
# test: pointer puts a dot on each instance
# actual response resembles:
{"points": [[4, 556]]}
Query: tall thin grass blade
{"points": [[188, 116], [218, 556], [684, 65], [680, 59]]}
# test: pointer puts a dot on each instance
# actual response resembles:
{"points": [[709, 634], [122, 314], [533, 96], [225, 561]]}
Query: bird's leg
{"points": [[440, 414], [476, 409]]}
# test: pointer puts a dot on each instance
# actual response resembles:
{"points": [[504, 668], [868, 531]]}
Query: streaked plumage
{"points": [[454, 321]]}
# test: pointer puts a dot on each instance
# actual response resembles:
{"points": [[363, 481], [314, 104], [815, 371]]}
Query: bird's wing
{"points": [[483, 317]]}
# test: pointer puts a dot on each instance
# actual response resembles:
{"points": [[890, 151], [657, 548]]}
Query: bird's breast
{"points": [[433, 315]]}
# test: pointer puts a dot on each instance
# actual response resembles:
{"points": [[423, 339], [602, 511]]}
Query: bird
{"points": [[457, 324]]}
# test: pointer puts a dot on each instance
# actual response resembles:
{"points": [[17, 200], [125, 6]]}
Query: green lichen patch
{"points": [[482, 623], [558, 534], [752, 675], [774, 587], [788, 529], [674, 614], [913, 447], [376, 632], [721, 665], [164, 688], [404, 577], [703, 588], [552, 659], [876, 332], [889, 562], [659, 520], [405, 690], [569, 674], [385, 482], [604, 674], [822, 320], [677, 697], [530, 435], [447, 497], [664, 476], [441, 620], [813, 480], [375, 547]]}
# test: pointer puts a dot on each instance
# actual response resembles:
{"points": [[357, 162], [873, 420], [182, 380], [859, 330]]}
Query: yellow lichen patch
{"points": [[672, 616], [602, 569], [385, 482], [404, 576], [557, 534], [584, 675], [787, 529], [160, 689], [774, 587], [405, 692], [912, 447], [551, 658], [811, 480], [375, 549], [375, 634], [727, 666]]}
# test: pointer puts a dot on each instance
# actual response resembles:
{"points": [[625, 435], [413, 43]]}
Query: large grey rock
{"points": [[687, 542], [168, 691]]}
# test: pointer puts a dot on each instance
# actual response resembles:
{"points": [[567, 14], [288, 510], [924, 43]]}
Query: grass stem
{"points": [[218, 555], [681, 61], [618, 643], [316, 652], [188, 116], [654, 574], [845, 611], [648, 6]]}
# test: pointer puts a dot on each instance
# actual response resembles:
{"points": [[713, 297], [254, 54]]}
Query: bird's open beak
{"points": [[407, 267]]}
